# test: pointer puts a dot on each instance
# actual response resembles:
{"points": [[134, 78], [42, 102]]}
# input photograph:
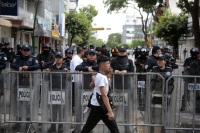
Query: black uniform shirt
{"points": [[84, 66], [47, 58], [3, 60], [150, 63]]}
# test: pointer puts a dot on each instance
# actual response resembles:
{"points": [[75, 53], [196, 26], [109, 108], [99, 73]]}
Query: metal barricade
{"points": [[187, 95], [22, 88]]}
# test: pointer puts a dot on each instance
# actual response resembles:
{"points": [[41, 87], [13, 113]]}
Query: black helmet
{"points": [[69, 51], [46, 45], [114, 50], [2, 44], [143, 51], [19, 46], [91, 46], [98, 48], [7, 43], [194, 52], [103, 45], [84, 47]]}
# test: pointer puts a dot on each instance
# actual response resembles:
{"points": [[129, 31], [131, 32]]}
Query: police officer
{"points": [[68, 57], [151, 61], [2, 47], [98, 49], [19, 49], [114, 52], [121, 64], [25, 62], [46, 58], [140, 61], [3, 60], [191, 67], [56, 86], [9, 52], [91, 46], [104, 51], [170, 61], [85, 53], [90, 65]]}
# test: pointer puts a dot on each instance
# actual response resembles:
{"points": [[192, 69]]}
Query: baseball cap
{"points": [[58, 54], [121, 48], [25, 47], [92, 51], [161, 56], [69, 51]]}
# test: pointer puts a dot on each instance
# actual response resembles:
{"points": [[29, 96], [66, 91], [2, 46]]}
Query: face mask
{"points": [[46, 51]]}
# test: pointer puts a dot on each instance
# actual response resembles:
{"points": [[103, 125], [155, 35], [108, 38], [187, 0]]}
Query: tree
{"points": [[114, 39], [95, 41], [89, 11], [136, 43], [147, 6], [192, 7], [170, 28], [77, 24]]}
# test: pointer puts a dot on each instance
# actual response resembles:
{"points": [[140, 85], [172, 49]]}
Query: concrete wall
{"points": [[5, 31]]}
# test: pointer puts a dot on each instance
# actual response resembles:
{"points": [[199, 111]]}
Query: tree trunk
{"points": [[196, 32], [71, 41]]}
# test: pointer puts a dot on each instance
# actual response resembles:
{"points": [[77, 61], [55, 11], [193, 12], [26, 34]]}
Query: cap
{"points": [[7, 43], [69, 51], [103, 45], [121, 48], [161, 56], [92, 51], [155, 48], [25, 47], [98, 49], [59, 54]]}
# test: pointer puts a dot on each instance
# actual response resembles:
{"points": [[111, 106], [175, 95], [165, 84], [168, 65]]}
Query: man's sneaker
{"points": [[87, 109]]}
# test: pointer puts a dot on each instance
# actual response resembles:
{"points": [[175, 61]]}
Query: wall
{"points": [[5, 31]]}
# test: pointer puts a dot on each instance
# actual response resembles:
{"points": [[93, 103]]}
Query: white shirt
{"points": [[100, 80], [76, 60]]}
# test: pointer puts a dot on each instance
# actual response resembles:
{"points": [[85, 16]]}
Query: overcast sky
{"points": [[113, 21]]}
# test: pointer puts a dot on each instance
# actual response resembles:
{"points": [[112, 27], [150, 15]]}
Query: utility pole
{"points": [[33, 37]]}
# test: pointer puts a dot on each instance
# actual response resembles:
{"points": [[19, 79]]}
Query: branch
{"points": [[188, 6]]}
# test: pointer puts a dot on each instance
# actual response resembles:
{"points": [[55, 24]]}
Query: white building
{"points": [[132, 29]]}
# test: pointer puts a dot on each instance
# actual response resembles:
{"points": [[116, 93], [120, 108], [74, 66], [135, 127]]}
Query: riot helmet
{"points": [[114, 52], [91, 46], [46, 48], [194, 52]]}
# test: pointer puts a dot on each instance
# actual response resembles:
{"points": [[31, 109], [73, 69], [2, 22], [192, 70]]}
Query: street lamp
{"points": [[68, 31]]}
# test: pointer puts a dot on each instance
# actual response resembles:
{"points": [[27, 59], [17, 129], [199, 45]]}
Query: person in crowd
{"points": [[100, 107], [46, 58], [191, 67], [184, 53], [2, 47], [19, 49], [68, 57], [170, 61], [121, 64], [85, 53], [114, 52], [140, 61], [98, 49], [9, 52], [90, 65], [66, 47], [3, 60], [104, 51], [151, 61], [25, 62], [56, 86], [91, 46]]}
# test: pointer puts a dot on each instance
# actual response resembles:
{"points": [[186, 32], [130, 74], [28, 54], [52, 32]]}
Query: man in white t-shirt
{"points": [[76, 60], [100, 106]]}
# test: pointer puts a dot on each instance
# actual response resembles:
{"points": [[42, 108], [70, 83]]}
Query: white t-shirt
{"points": [[100, 80], [76, 60]]}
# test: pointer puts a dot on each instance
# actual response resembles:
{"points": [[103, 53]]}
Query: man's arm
{"points": [[81, 67], [106, 103], [35, 65], [15, 65]]}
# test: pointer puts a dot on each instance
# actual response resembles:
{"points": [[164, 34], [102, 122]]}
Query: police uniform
{"points": [[150, 63], [3, 60], [106, 53], [9, 53], [47, 58]]}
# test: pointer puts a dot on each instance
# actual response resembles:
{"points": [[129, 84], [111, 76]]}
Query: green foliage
{"points": [[136, 43], [95, 41], [114, 39], [89, 11], [181, 4]]}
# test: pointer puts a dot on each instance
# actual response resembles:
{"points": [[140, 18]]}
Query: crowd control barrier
{"points": [[44, 101], [184, 114]]}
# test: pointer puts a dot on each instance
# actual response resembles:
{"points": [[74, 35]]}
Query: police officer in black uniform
{"points": [[91, 46], [9, 52], [104, 51], [46, 58], [25, 62], [19, 49], [114, 52], [90, 65], [170, 61], [85, 53], [3, 60], [68, 57], [191, 67], [151, 61], [98, 49], [140, 61]]}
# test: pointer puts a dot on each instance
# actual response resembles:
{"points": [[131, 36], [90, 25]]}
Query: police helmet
{"points": [[114, 50], [168, 55], [194, 52], [69, 51], [46, 46], [91, 46], [19, 46], [143, 51], [84, 47], [7, 43], [2, 44], [103, 45]]}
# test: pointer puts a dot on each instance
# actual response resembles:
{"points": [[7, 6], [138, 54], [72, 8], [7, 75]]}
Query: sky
{"points": [[113, 21]]}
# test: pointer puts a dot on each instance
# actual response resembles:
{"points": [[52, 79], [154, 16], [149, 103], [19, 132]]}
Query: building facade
{"points": [[132, 29]]}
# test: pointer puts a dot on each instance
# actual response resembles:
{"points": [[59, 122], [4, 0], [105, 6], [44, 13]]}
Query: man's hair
{"points": [[102, 59], [79, 50]]}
